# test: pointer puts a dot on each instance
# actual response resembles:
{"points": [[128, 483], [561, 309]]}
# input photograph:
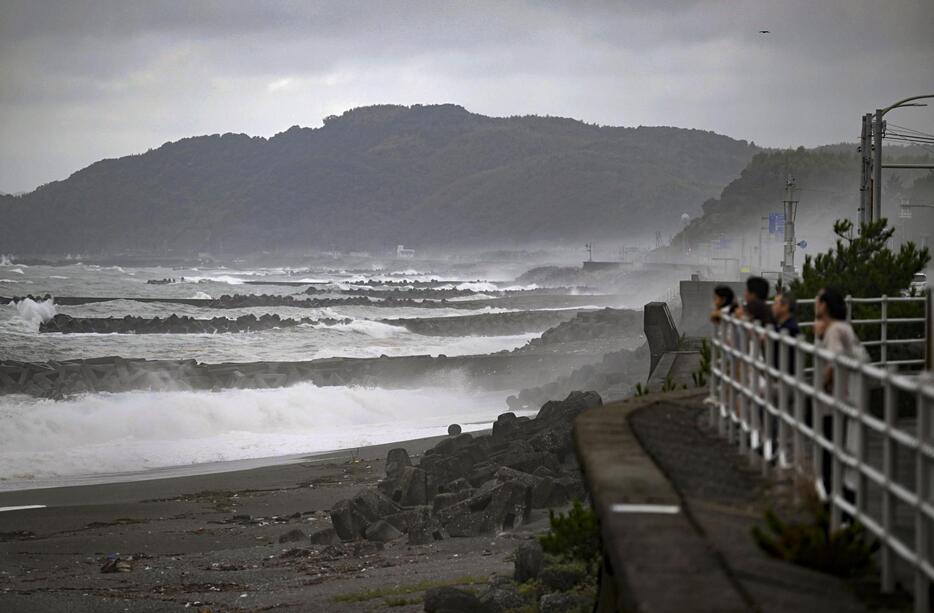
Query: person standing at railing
{"points": [[784, 309], [835, 334], [755, 307], [723, 298]]}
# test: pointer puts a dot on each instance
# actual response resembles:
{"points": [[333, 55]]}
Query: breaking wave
{"points": [[137, 431]]}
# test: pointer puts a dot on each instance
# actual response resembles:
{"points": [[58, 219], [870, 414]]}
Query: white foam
{"points": [[136, 431], [202, 296], [215, 279], [35, 312]]}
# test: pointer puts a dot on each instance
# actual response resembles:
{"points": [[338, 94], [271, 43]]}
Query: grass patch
{"points": [[394, 593], [401, 601]]}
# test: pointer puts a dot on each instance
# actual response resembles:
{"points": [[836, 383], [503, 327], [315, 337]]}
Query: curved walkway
{"points": [[655, 451]]}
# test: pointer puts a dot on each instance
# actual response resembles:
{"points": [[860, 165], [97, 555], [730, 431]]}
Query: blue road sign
{"points": [[776, 223], [803, 244]]}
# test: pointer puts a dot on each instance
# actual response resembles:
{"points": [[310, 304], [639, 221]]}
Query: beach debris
{"points": [[115, 564]]}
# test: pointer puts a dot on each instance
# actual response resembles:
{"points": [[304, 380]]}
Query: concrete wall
{"points": [[660, 331], [697, 302]]}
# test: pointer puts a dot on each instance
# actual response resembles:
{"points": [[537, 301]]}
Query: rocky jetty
{"points": [[472, 485], [590, 325], [486, 324], [173, 324]]}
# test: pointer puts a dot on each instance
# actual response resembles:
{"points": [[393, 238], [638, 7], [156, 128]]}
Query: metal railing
{"points": [[860, 432], [882, 322]]}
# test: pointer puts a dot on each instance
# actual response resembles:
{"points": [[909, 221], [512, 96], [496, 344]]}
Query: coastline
{"points": [[213, 540]]}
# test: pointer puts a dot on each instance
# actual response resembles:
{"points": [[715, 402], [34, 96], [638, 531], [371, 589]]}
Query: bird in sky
{"points": [[765, 31]]}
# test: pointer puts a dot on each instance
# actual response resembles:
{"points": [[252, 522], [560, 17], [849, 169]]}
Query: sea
{"points": [[119, 436]]}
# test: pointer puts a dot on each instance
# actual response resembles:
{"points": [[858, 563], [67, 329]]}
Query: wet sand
{"points": [[211, 541]]}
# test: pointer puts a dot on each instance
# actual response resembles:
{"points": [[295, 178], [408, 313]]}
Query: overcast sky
{"points": [[84, 80]]}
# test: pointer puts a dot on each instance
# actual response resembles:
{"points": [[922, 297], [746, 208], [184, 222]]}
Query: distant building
{"points": [[404, 254]]}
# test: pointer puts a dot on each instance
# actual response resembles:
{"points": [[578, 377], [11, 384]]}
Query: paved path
{"points": [[703, 558]]}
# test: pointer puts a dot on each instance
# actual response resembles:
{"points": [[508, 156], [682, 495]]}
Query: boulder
{"points": [[293, 536], [382, 531], [446, 499], [423, 527], [566, 410], [454, 430], [452, 600], [411, 488], [502, 598], [324, 536], [549, 493], [351, 517], [564, 602], [530, 558], [396, 460], [502, 508]]}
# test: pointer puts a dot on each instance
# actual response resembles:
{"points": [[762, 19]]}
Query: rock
{"points": [[503, 598], [549, 493], [424, 528], [454, 430], [564, 602], [569, 408], [293, 536], [504, 473], [457, 485], [351, 517], [396, 460], [382, 531], [324, 536], [452, 600], [446, 499], [502, 508], [530, 558], [562, 577], [412, 487]]}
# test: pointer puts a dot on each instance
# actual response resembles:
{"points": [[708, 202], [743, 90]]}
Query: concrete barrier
{"points": [[660, 331]]}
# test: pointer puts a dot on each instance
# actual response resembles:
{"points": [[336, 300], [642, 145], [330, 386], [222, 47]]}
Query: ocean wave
{"points": [[138, 431]]}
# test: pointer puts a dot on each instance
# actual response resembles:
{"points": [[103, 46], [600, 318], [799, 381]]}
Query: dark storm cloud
{"points": [[85, 80]]}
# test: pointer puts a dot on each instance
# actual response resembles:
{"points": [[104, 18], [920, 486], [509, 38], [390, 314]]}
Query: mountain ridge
{"points": [[430, 175]]}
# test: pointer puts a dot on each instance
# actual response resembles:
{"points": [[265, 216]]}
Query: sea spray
{"points": [[137, 431], [35, 312]]}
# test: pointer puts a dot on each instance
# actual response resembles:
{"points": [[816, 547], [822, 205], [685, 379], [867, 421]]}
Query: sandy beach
{"points": [[212, 542]]}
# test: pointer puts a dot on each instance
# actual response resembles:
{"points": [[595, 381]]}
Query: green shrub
{"points": [[844, 553], [574, 537], [703, 368]]}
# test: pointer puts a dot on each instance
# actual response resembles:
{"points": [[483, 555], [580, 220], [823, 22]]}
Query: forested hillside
{"points": [[377, 176]]}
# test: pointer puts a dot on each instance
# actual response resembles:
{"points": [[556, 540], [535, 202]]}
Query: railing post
{"points": [[862, 445], [836, 464], [886, 558], [798, 450], [817, 422], [782, 409], [884, 330], [922, 491]]}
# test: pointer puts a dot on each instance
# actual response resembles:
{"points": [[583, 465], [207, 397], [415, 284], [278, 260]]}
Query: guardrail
{"points": [[883, 322], [860, 432]]}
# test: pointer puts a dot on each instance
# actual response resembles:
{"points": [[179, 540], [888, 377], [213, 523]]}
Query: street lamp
{"points": [[877, 128]]}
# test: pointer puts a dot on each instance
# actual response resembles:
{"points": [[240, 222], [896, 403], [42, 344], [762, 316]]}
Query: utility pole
{"points": [[761, 228], [878, 127], [791, 208], [865, 186]]}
